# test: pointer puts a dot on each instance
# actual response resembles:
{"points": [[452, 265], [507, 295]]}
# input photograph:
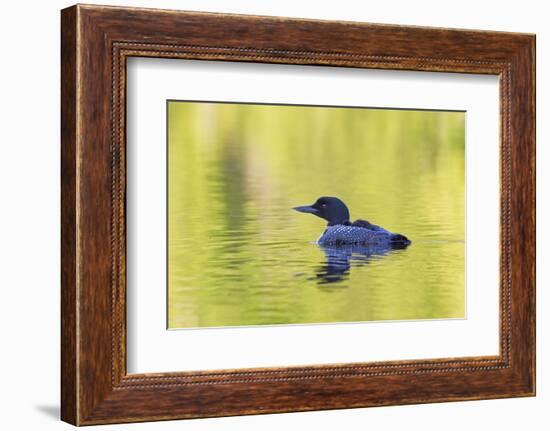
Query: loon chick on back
{"points": [[340, 231]]}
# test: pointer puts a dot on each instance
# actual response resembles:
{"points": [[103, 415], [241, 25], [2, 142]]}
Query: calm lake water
{"points": [[239, 255]]}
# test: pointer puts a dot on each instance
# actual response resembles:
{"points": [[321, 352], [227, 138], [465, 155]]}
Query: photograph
{"points": [[299, 214]]}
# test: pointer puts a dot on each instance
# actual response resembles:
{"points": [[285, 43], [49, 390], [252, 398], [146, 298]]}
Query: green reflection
{"points": [[238, 254]]}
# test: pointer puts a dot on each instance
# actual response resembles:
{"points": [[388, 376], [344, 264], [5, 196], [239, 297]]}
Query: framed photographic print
{"points": [[264, 215]]}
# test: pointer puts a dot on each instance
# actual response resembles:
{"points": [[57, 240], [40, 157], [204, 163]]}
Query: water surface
{"points": [[238, 254]]}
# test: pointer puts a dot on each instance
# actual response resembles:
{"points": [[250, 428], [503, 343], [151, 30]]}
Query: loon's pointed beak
{"points": [[306, 209]]}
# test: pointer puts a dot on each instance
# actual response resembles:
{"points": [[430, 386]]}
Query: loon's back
{"points": [[357, 234]]}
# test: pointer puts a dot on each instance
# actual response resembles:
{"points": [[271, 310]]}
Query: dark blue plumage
{"points": [[340, 231]]}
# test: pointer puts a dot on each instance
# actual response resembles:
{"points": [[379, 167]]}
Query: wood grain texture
{"points": [[69, 397], [96, 41]]}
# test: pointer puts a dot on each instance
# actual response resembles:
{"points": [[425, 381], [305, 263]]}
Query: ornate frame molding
{"points": [[96, 41]]}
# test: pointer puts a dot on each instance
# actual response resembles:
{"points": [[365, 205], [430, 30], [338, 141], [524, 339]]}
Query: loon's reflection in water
{"points": [[340, 258]]}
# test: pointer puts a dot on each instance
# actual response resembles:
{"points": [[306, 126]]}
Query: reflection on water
{"points": [[239, 255], [339, 259]]}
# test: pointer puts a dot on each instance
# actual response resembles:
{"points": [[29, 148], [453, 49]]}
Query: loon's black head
{"points": [[331, 209]]}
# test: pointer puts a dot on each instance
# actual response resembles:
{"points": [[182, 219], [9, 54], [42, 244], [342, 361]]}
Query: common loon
{"points": [[340, 231]]}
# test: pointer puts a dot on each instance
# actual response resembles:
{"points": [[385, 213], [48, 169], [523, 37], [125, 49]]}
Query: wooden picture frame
{"points": [[95, 43]]}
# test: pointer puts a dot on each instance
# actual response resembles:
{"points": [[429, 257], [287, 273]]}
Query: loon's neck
{"points": [[342, 222]]}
